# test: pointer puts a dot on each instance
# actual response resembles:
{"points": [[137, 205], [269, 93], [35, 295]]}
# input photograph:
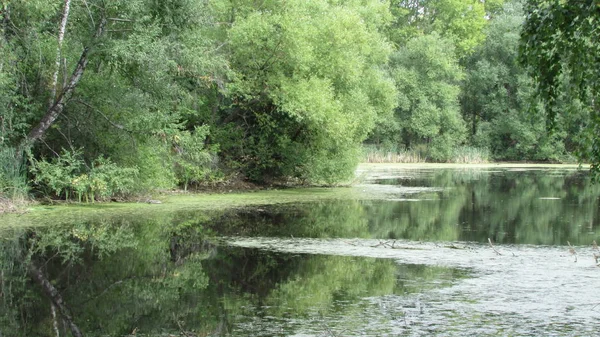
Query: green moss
{"points": [[46, 215]]}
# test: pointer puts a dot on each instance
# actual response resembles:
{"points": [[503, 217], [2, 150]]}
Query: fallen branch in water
{"points": [[348, 242], [494, 248], [384, 244], [572, 251]]}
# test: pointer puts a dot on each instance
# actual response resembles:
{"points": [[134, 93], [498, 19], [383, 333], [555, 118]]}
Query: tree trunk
{"points": [[61, 37], [52, 113], [54, 320]]}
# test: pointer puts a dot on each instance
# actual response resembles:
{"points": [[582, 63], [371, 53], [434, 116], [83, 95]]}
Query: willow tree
{"points": [[560, 40], [308, 86], [427, 75], [462, 21]]}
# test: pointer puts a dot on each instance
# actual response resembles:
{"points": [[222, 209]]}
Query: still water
{"points": [[407, 254]]}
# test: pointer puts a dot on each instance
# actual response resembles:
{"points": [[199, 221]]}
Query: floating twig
{"points": [[384, 244], [494, 248], [572, 251]]}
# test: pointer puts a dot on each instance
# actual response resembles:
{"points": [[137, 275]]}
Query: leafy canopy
{"points": [[560, 39], [309, 85]]}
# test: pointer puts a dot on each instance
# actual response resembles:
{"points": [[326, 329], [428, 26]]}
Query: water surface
{"points": [[405, 252]]}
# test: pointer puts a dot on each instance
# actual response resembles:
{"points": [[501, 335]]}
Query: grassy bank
{"points": [[35, 214]]}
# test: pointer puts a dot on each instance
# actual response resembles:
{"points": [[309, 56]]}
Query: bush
{"points": [[194, 162], [153, 160], [68, 175]]}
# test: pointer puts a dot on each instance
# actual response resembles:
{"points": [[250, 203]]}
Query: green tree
{"points": [[427, 76], [560, 40], [120, 81], [308, 87], [498, 94], [460, 21]]}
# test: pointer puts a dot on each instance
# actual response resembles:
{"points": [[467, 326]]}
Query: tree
{"points": [[308, 86], [498, 94], [560, 41], [122, 78], [461, 21], [427, 76], [279, 89]]}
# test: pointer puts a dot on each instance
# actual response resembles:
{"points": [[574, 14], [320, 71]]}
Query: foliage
{"points": [[498, 97], [288, 89], [13, 178], [144, 75], [559, 41], [308, 86], [427, 76], [154, 162], [193, 162], [460, 21], [68, 175]]}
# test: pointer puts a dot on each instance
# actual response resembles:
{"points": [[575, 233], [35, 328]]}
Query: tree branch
{"points": [[494, 248], [52, 113], [118, 126]]}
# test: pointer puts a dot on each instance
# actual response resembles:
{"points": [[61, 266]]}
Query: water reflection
{"points": [[524, 207], [167, 276]]}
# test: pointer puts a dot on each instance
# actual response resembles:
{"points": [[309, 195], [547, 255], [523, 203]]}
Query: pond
{"points": [[407, 251]]}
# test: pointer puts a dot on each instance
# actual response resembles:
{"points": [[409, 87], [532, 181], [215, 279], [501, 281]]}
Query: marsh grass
{"points": [[13, 177], [469, 155], [374, 154], [394, 155]]}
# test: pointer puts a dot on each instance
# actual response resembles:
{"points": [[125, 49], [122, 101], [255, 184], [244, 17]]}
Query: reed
{"points": [[374, 154], [13, 175], [469, 155]]}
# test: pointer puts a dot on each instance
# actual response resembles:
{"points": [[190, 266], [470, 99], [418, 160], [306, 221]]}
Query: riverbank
{"points": [[231, 195]]}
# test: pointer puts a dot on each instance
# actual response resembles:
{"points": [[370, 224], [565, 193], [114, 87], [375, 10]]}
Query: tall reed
{"points": [[374, 154], [13, 175], [469, 155], [460, 155]]}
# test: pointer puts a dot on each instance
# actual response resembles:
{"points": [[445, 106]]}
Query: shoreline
{"points": [[235, 189]]}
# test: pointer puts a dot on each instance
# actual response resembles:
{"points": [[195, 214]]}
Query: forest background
{"points": [[102, 99]]}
